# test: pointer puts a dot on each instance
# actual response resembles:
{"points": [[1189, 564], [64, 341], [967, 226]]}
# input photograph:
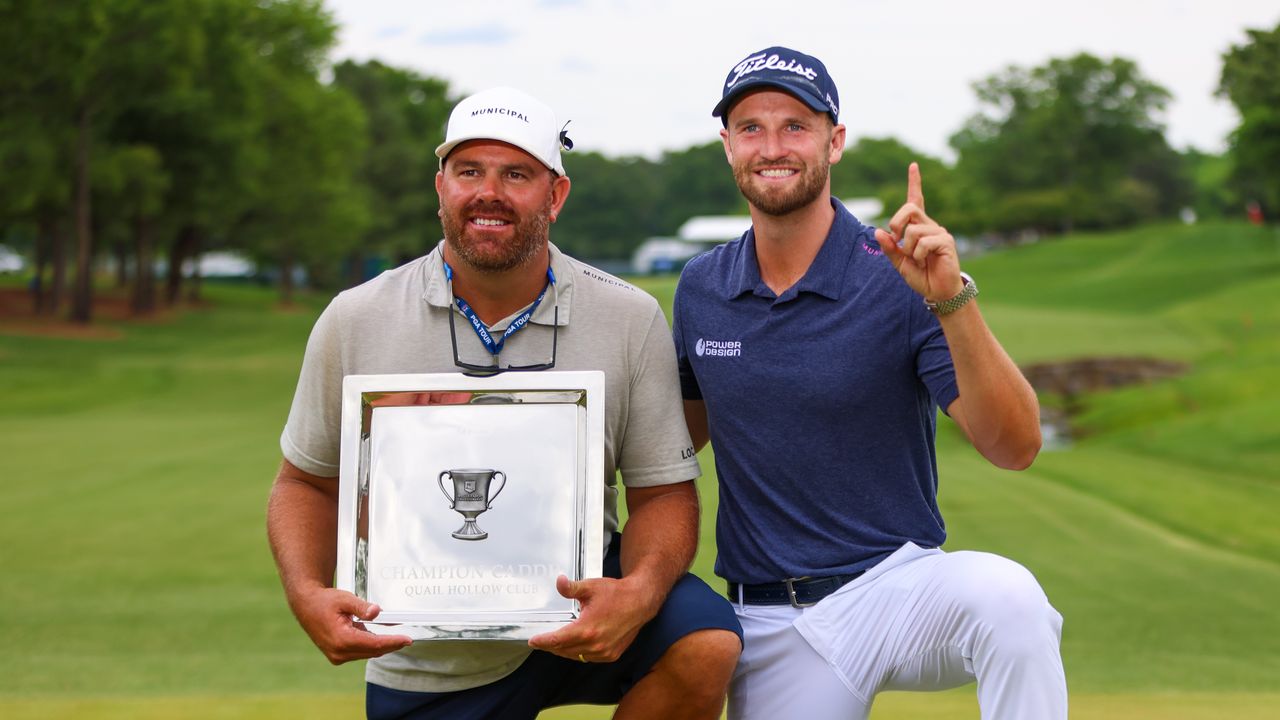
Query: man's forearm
{"points": [[661, 538], [302, 521], [997, 407]]}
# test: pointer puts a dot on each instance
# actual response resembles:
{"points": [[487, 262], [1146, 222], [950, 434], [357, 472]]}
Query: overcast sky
{"points": [[637, 77]]}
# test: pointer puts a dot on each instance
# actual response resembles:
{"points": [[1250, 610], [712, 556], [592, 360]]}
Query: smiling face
{"points": [[497, 204], [781, 151]]}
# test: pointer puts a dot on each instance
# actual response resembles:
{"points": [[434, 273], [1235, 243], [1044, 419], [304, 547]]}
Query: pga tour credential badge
{"points": [[471, 497]]}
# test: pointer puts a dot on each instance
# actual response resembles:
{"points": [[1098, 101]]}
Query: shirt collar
{"points": [[436, 286], [825, 276]]}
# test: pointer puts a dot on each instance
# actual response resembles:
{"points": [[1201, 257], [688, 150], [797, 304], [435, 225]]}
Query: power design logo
{"points": [[718, 348]]}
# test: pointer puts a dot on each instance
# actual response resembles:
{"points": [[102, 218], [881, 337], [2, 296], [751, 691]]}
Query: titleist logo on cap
{"points": [[755, 63], [499, 111]]}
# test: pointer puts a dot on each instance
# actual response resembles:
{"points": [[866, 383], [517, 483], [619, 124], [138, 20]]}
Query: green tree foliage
{"points": [[1251, 81], [208, 133], [406, 116], [267, 154], [615, 204], [132, 181], [1211, 176], [877, 167], [1073, 143], [70, 70], [172, 128], [612, 205], [310, 209], [209, 120], [35, 199], [696, 181]]}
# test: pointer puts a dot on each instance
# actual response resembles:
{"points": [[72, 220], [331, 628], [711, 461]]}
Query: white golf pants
{"points": [[919, 620]]}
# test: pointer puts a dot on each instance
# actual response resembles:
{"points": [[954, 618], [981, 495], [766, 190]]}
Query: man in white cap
{"points": [[651, 637]]}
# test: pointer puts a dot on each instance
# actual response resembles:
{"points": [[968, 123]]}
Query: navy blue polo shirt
{"points": [[822, 404]]}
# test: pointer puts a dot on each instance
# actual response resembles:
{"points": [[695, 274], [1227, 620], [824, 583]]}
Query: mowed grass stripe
{"points": [[1144, 608], [1231, 512], [134, 473]]}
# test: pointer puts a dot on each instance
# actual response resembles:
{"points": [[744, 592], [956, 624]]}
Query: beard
{"points": [[781, 201], [529, 236]]}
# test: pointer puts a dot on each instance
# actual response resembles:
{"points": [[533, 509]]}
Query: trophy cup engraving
{"points": [[471, 497]]}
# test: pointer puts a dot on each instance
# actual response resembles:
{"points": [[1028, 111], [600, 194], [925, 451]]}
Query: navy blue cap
{"points": [[804, 76]]}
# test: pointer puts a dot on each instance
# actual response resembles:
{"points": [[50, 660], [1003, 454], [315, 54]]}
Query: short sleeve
{"points": [[933, 357], [312, 435], [656, 449], [689, 388]]}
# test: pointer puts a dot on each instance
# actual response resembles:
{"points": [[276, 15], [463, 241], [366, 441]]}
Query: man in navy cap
{"points": [[814, 353]]}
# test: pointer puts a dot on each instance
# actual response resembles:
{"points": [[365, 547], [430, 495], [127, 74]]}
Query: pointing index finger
{"points": [[915, 190]]}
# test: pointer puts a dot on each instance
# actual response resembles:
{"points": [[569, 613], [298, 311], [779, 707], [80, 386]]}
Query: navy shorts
{"points": [[546, 680]]}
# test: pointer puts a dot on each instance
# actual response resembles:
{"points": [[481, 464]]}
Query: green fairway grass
{"points": [[134, 472], [950, 705]]}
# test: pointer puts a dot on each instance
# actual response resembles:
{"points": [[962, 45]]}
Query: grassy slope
{"points": [[135, 474], [1156, 534], [1200, 455]]}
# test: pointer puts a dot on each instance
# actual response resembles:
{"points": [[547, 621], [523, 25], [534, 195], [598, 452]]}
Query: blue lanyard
{"points": [[482, 330]]}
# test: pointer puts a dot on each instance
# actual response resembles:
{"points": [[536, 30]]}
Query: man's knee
{"points": [[701, 664], [1004, 596], [994, 586]]}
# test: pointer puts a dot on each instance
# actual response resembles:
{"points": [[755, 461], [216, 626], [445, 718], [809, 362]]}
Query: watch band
{"points": [[950, 305]]}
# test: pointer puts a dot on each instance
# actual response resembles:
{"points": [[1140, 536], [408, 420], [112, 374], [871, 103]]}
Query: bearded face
{"points": [[780, 150], [778, 200], [497, 204], [480, 249]]}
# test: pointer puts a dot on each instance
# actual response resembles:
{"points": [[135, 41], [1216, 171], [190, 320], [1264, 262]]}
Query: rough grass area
{"points": [[135, 464]]}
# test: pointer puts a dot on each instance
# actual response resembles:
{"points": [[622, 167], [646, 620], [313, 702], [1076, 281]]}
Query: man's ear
{"points": [[837, 144], [559, 194]]}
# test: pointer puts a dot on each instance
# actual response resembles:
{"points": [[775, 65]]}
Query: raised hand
{"points": [[922, 250]]}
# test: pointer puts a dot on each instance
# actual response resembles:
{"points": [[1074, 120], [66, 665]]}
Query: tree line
{"points": [[147, 131]]}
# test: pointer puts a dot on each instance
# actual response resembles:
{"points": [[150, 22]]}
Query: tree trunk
{"points": [[286, 279], [196, 248], [1068, 224], [355, 270], [44, 243], [82, 294], [178, 253], [144, 277], [121, 251], [58, 287]]}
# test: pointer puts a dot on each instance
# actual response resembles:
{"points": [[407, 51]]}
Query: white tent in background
{"points": [[703, 232]]}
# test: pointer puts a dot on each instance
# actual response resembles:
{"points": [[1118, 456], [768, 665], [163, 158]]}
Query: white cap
{"points": [[508, 115]]}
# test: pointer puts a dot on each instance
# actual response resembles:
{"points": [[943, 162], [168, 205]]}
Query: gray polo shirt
{"points": [[397, 323]]}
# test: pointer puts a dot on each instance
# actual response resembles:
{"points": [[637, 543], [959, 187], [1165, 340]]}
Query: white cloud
{"points": [[639, 77], [482, 35]]}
